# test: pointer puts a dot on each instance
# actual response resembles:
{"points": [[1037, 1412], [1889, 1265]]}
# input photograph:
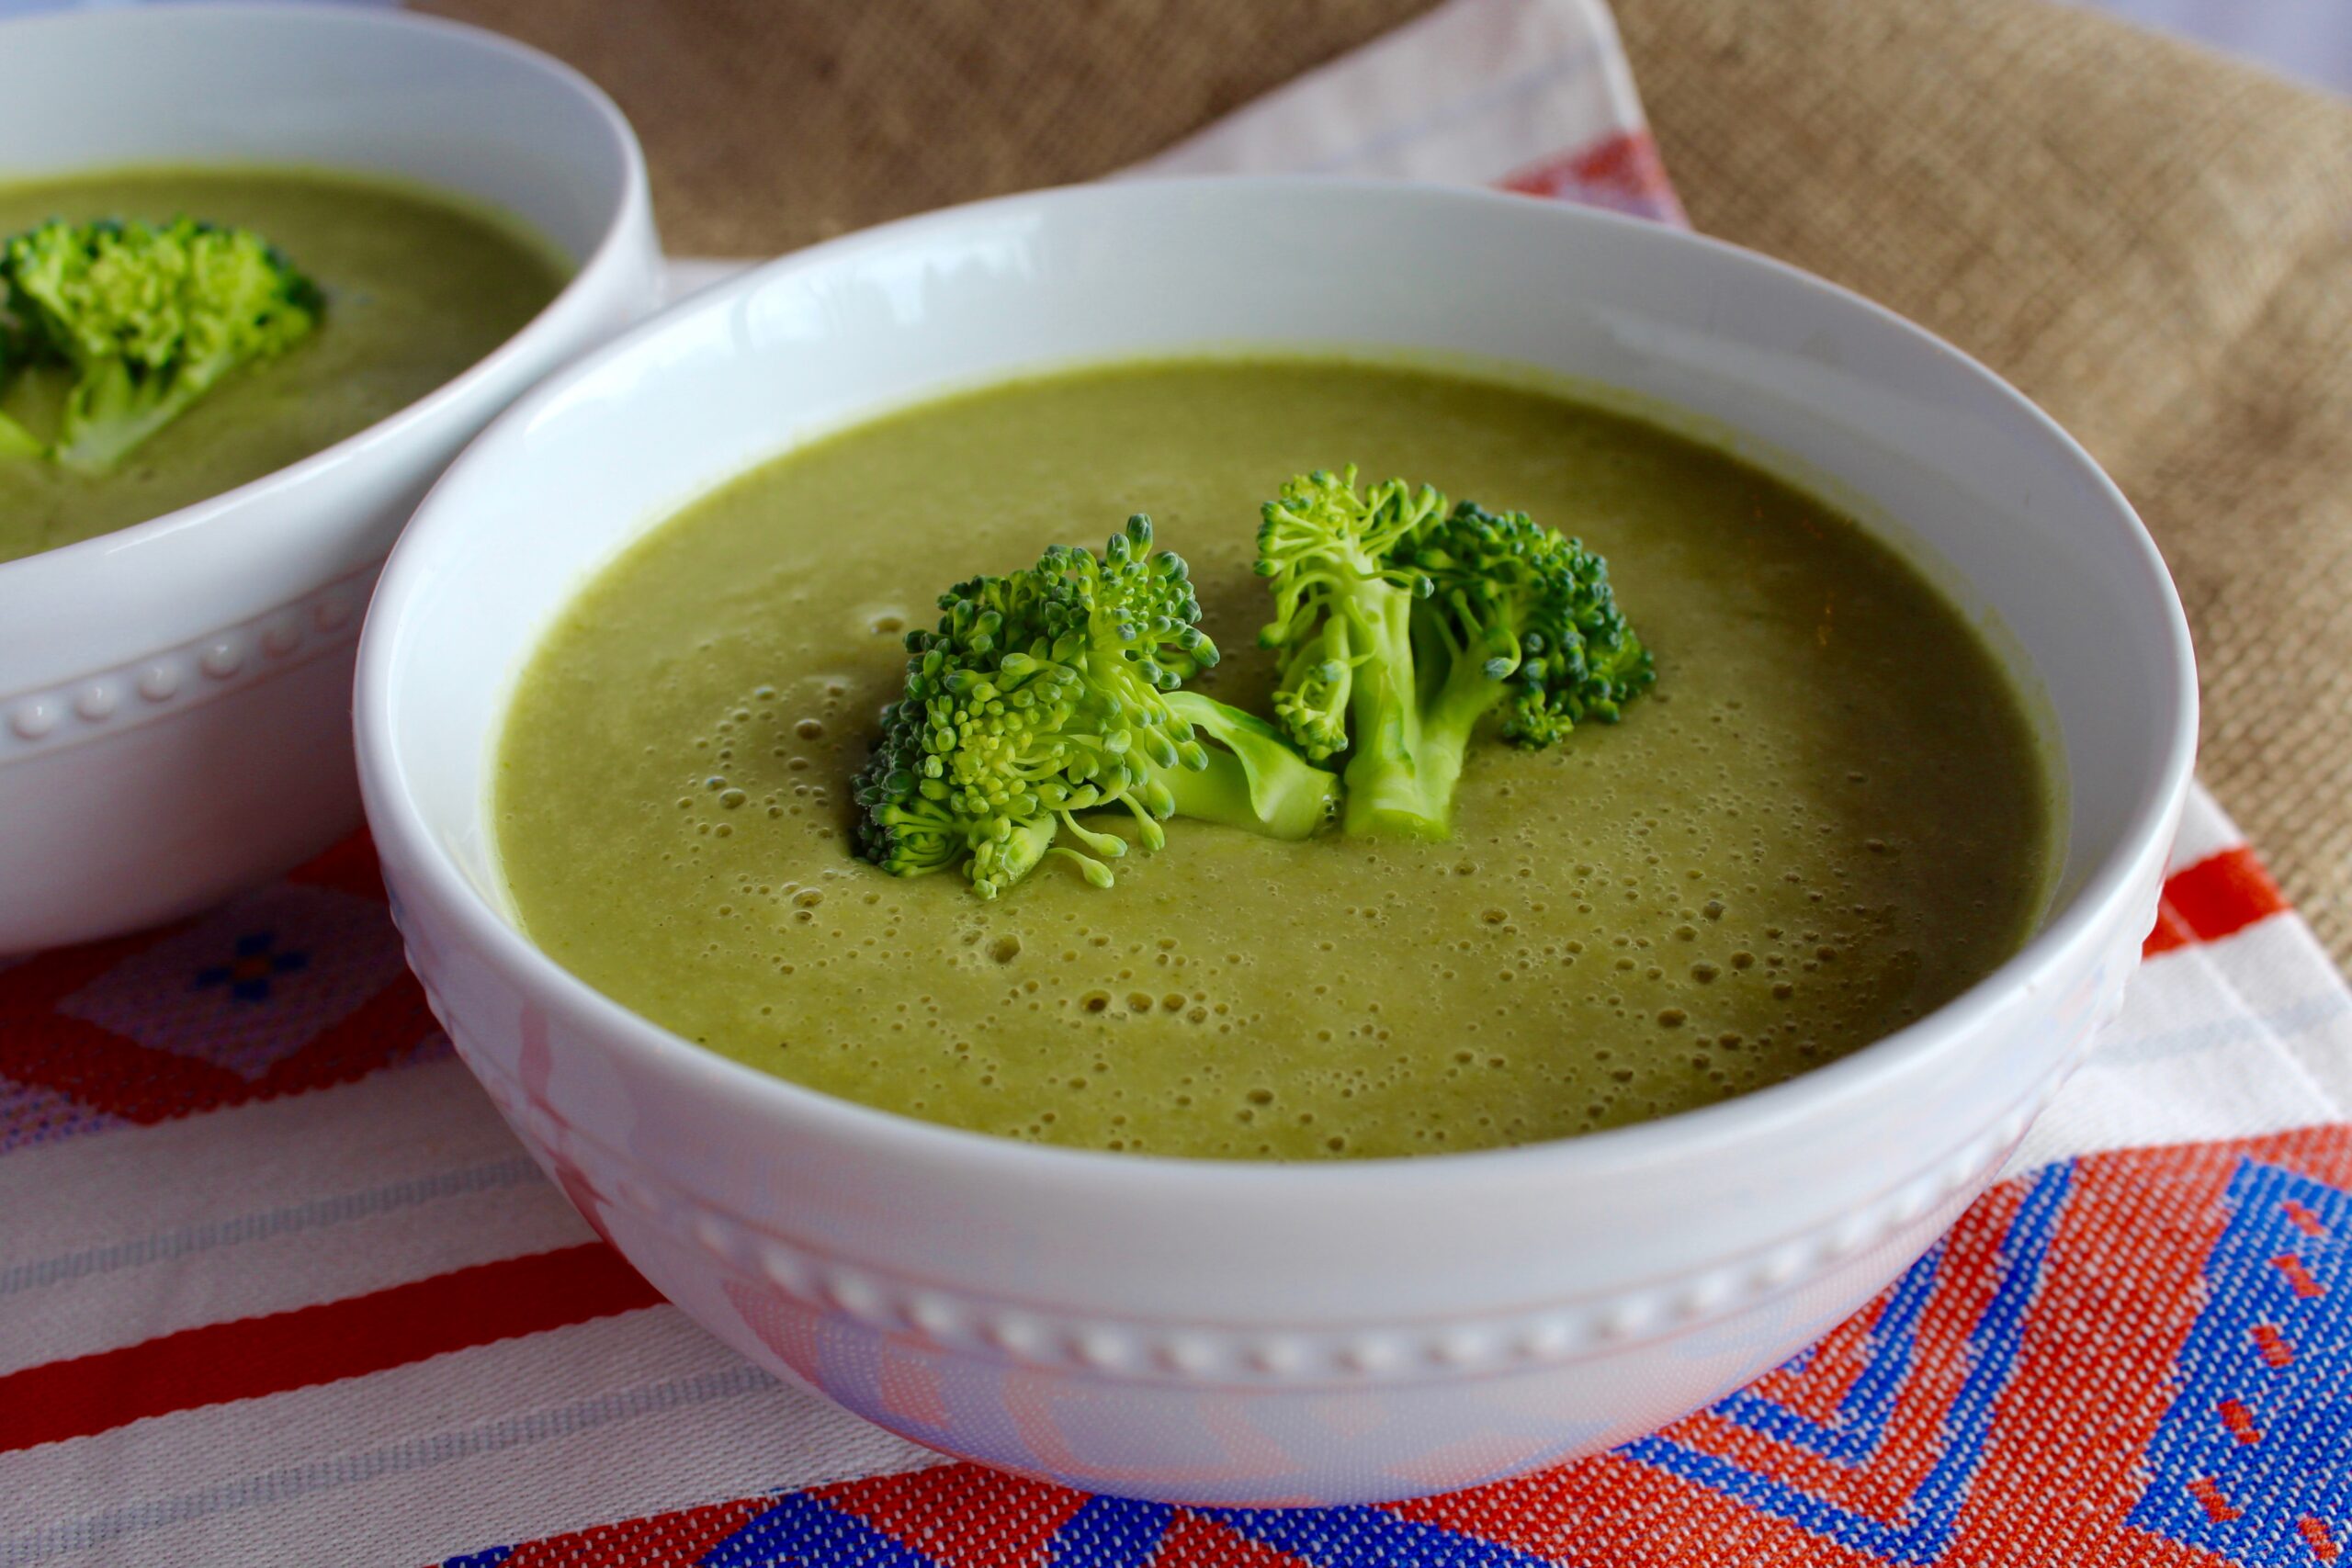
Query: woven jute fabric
{"points": [[773, 123], [2154, 242]]}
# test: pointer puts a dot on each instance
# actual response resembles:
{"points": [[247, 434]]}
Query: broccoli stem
{"points": [[1448, 721], [1404, 787], [1387, 793], [110, 413], [1254, 780], [1295, 805]]}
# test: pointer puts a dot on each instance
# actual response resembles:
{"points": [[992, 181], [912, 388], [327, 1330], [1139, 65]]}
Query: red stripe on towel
{"points": [[1623, 171], [250, 1357], [2220, 895]]}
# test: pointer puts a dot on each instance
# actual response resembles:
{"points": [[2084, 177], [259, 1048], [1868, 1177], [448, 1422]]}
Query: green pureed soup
{"points": [[1828, 818], [418, 289]]}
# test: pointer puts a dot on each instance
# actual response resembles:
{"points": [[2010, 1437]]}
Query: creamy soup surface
{"points": [[1828, 818], [418, 289]]}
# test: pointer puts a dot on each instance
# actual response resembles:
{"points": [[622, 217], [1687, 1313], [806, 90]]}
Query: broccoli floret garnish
{"points": [[1522, 619], [1051, 692], [1408, 623], [1404, 622], [148, 318]]}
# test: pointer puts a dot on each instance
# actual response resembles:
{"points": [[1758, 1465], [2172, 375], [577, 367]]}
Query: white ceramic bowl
{"points": [[1238, 1333], [173, 696]]}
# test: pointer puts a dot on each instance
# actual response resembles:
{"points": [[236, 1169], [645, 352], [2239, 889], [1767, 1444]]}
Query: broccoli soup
{"points": [[407, 290], [1827, 816]]}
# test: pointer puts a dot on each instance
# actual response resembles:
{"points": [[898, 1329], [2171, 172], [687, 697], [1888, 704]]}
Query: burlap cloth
{"points": [[2154, 242]]}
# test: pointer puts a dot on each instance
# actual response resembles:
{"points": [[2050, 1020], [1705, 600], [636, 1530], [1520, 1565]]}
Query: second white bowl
{"points": [[174, 697]]}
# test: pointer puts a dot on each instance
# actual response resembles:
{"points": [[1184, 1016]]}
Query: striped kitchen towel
{"points": [[277, 1287]]}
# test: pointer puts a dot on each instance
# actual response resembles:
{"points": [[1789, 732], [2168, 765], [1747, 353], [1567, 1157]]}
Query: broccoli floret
{"points": [[1051, 692], [1520, 618], [148, 318], [1409, 623]]}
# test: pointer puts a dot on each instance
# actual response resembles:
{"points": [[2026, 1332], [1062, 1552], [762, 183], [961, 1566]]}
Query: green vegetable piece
{"points": [[1408, 623], [148, 318], [1053, 692]]}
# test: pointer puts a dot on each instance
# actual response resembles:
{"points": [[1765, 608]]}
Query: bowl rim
{"points": [[630, 211], [2100, 901]]}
